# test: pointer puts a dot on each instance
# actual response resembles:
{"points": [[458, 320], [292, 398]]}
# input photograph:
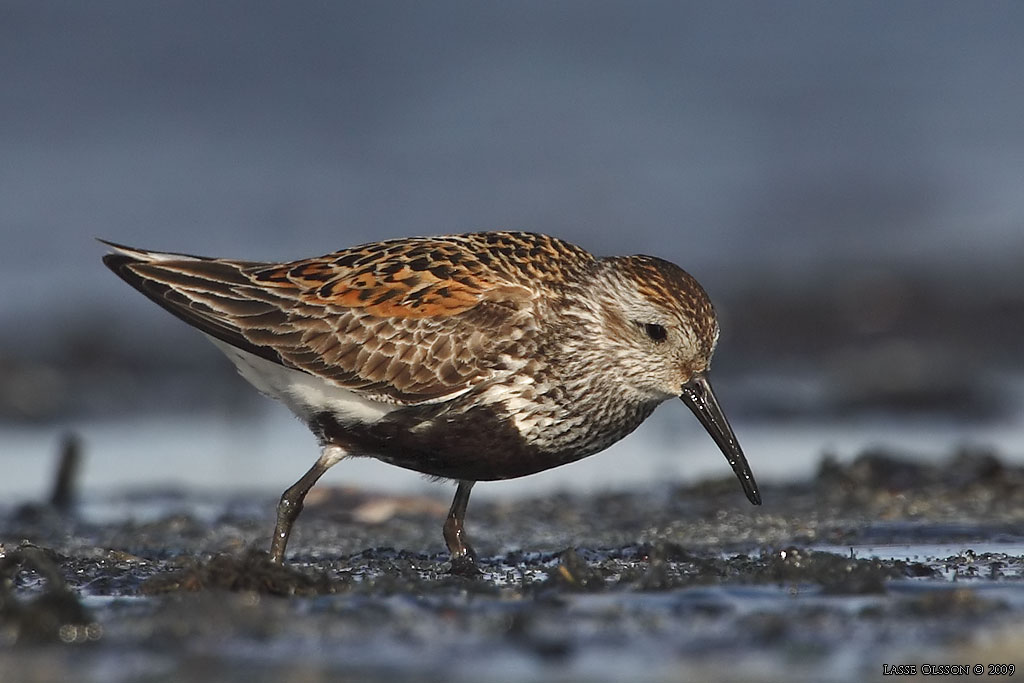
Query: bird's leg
{"points": [[291, 500], [463, 556]]}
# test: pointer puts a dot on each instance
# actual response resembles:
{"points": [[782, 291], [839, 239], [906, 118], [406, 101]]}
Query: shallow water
{"points": [[878, 561], [925, 552], [269, 450]]}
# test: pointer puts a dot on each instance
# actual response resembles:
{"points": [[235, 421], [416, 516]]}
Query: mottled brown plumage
{"points": [[481, 356]]}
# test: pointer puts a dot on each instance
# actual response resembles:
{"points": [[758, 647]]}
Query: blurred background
{"points": [[845, 180]]}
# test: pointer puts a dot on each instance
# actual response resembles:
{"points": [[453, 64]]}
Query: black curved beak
{"points": [[698, 394]]}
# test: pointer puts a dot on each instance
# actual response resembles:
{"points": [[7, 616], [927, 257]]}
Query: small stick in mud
{"points": [[65, 482]]}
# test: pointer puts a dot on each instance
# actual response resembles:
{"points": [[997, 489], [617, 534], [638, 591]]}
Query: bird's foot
{"points": [[465, 566]]}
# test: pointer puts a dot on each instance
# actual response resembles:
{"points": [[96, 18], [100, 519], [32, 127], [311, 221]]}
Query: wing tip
{"points": [[146, 255]]}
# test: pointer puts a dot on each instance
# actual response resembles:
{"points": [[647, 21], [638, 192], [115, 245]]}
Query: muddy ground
{"points": [[878, 562]]}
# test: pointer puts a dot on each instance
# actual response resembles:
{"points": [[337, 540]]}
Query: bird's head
{"points": [[663, 329]]}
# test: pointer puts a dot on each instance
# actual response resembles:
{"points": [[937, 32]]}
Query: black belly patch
{"points": [[473, 444]]}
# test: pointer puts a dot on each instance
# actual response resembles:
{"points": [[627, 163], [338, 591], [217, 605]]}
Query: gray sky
{"points": [[787, 136]]}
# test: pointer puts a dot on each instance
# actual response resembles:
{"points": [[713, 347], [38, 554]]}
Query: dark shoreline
{"points": [[674, 580]]}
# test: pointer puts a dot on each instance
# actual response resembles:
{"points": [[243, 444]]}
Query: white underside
{"points": [[303, 393]]}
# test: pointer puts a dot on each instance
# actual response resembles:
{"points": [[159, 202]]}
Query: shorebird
{"points": [[470, 357]]}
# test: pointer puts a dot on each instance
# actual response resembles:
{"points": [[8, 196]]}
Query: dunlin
{"points": [[470, 357]]}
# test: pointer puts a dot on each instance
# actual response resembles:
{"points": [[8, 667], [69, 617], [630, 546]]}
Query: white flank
{"points": [[513, 403], [303, 393]]}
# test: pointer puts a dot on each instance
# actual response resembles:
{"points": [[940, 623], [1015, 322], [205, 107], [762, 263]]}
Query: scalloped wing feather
{"points": [[410, 321]]}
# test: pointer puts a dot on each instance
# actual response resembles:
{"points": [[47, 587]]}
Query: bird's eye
{"points": [[655, 331]]}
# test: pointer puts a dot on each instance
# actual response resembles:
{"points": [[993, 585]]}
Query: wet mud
{"points": [[877, 562]]}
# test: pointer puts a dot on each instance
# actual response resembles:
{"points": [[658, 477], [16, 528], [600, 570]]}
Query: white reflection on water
{"points": [[269, 451]]}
